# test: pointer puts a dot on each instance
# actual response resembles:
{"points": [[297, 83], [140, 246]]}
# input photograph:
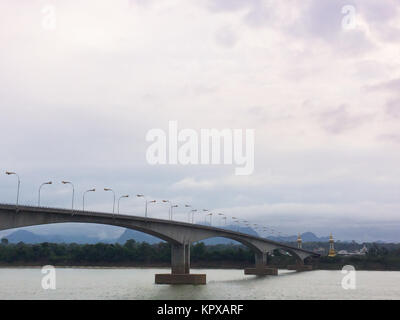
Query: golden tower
{"points": [[299, 242], [332, 251]]}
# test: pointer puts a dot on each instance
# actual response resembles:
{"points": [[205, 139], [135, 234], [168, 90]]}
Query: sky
{"points": [[81, 84]]}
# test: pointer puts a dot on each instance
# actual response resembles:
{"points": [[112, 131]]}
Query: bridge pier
{"points": [[300, 266], [261, 268], [180, 268]]}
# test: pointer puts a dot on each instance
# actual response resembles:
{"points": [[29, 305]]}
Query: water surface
{"points": [[138, 283]]}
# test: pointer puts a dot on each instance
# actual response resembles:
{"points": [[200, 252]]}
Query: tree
{"points": [[4, 241]]}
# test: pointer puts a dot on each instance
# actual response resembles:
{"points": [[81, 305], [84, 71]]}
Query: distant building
{"points": [[332, 251], [299, 242], [363, 250], [360, 252], [320, 250]]}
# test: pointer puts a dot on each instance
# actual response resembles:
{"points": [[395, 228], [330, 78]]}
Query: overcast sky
{"points": [[77, 98]]}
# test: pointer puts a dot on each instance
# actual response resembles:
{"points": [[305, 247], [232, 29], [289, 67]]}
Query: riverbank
{"points": [[144, 255], [227, 266]]}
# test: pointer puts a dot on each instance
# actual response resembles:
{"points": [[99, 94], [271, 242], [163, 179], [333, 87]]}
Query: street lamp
{"points": [[223, 217], [146, 202], [233, 220], [73, 191], [18, 185], [238, 224], [173, 206], [169, 208], [124, 196], [210, 214], [193, 212], [40, 188], [84, 194], [188, 206], [109, 189], [205, 217]]}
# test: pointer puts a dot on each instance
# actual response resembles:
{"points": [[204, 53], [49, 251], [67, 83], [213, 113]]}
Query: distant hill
{"points": [[29, 237], [32, 238], [137, 236], [305, 237]]}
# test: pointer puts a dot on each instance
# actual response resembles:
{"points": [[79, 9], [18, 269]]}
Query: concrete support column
{"points": [[261, 260], [300, 266], [178, 265], [261, 268], [187, 258], [180, 268]]}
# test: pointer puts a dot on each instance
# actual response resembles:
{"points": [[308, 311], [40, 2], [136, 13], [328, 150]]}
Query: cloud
{"points": [[78, 101], [339, 120], [392, 86], [226, 37]]}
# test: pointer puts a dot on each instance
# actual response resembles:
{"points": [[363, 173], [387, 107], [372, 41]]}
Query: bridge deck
{"points": [[76, 213]]}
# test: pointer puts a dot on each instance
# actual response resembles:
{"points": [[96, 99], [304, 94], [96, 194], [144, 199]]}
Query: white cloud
{"points": [[77, 101]]}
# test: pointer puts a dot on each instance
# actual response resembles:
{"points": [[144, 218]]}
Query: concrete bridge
{"points": [[179, 234]]}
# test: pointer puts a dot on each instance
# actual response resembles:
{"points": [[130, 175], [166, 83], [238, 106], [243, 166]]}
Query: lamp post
{"points": [[146, 202], [18, 185], [205, 217], [210, 214], [73, 192], [193, 212], [145, 205], [223, 217], [83, 199], [236, 220], [40, 188], [119, 199], [109, 189], [188, 206], [169, 208], [172, 207]]}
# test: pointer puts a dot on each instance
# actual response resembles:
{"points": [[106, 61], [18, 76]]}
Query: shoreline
{"points": [[38, 266]]}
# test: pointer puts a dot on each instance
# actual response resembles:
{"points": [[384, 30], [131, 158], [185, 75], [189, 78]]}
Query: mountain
{"points": [[305, 237], [137, 236], [29, 237], [32, 238]]}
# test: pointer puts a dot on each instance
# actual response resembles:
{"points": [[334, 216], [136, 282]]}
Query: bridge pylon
{"points": [[180, 268], [261, 267]]}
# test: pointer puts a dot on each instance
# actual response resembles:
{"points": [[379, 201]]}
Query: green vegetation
{"points": [[130, 254], [379, 257]]}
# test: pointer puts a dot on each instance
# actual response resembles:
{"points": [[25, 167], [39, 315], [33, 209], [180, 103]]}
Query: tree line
{"points": [[132, 253]]}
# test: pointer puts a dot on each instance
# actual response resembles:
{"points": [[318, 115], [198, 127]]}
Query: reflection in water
{"points": [[138, 283]]}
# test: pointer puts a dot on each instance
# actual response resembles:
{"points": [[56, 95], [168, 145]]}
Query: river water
{"points": [[138, 283]]}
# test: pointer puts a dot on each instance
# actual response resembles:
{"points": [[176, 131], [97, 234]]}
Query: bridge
{"points": [[180, 235]]}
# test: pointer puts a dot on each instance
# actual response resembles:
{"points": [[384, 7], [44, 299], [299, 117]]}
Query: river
{"points": [[138, 283]]}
